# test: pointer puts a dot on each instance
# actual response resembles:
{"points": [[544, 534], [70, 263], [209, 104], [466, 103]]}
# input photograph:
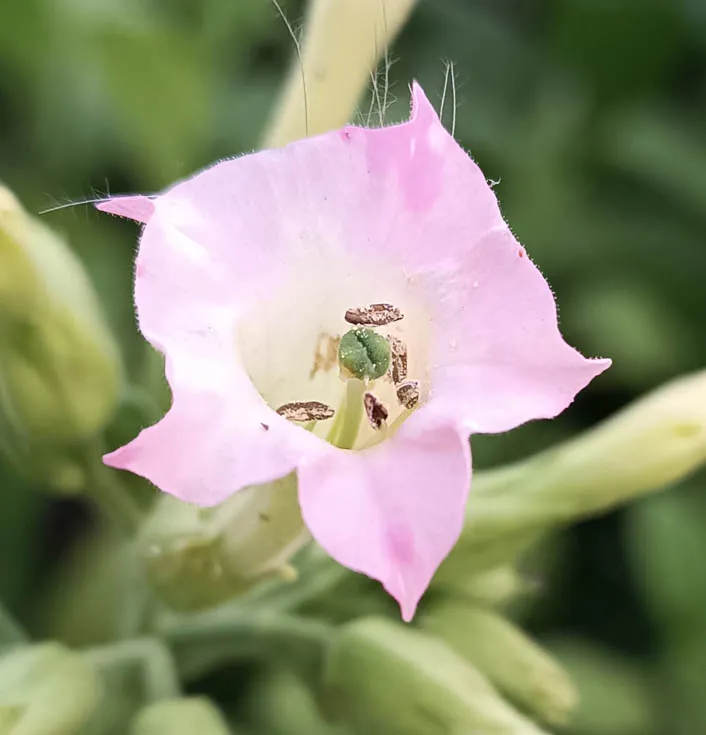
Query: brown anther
{"points": [[375, 315], [326, 355], [376, 412], [398, 359], [306, 411], [408, 394]]}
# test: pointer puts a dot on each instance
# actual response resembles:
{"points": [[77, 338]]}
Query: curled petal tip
{"points": [[138, 208]]}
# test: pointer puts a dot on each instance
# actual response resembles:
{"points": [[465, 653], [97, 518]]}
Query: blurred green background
{"points": [[590, 116]]}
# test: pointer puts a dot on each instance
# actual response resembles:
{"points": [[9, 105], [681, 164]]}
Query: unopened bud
{"points": [[492, 587], [199, 558], [515, 664], [343, 42], [652, 443], [46, 689], [60, 369], [617, 693], [384, 676], [180, 717]]}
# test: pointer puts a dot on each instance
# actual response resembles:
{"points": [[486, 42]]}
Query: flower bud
{"points": [[180, 717], [653, 442], [384, 676], [60, 370], [198, 558], [512, 662], [493, 587], [46, 689], [619, 696], [343, 42], [279, 703]]}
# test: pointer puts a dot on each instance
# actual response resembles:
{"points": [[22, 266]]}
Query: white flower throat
{"points": [[362, 356], [371, 366]]}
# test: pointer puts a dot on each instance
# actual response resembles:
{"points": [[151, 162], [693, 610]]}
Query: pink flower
{"points": [[244, 277]]}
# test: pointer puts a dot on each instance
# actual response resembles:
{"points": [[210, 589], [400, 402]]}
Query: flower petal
{"points": [[500, 359], [139, 208], [220, 435], [392, 512]]}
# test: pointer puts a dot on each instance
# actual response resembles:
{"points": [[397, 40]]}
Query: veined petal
{"points": [[394, 511]]}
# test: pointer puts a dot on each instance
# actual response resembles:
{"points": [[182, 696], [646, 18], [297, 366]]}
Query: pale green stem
{"points": [[109, 494], [199, 647], [148, 654]]}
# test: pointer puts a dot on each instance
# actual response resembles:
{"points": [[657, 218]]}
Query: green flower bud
{"points": [[493, 587], [279, 703], [46, 689], [386, 677], [515, 664], [364, 354], [343, 42], [180, 717], [618, 696], [60, 369], [653, 442], [199, 558]]}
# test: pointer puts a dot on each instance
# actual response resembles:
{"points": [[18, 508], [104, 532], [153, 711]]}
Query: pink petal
{"points": [[406, 193], [394, 511], [500, 358], [219, 436], [138, 208]]}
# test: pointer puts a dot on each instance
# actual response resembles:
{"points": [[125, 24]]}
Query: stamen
{"points": [[375, 315], [326, 355], [398, 362], [306, 411], [408, 394], [375, 410]]}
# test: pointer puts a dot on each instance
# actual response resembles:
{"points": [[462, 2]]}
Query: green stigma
{"points": [[364, 354]]}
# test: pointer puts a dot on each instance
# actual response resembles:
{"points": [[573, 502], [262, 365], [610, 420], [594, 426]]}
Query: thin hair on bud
{"points": [[380, 98], [96, 199], [77, 203], [453, 100], [298, 51], [449, 78], [387, 64]]}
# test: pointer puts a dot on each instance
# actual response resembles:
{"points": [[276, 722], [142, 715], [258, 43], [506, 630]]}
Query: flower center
{"points": [[364, 356], [327, 332]]}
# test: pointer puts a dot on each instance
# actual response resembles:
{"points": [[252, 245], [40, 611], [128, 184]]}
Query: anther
{"points": [[375, 315], [376, 412], [306, 411], [408, 394], [326, 355], [398, 359]]}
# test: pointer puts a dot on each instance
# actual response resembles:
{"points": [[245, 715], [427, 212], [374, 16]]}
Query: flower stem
{"points": [[345, 428], [199, 647], [10, 631], [109, 494], [150, 655]]}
